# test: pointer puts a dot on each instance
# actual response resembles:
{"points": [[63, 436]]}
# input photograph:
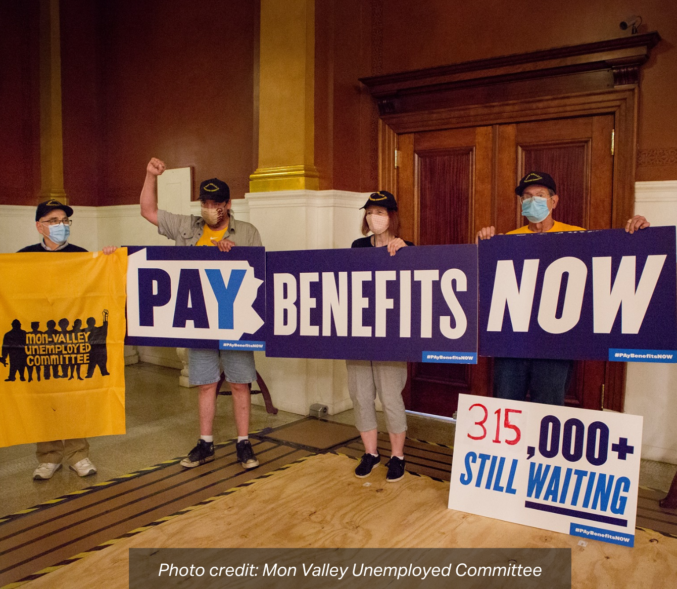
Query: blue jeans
{"points": [[546, 380]]}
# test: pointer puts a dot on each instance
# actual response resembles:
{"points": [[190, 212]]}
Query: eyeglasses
{"points": [[377, 213], [54, 222]]}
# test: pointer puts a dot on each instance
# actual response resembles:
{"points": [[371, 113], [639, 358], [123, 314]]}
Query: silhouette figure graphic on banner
{"points": [[35, 327], [61, 351], [75, 368], [51, 333], [63, 325], [97, 339], [13, 348]]}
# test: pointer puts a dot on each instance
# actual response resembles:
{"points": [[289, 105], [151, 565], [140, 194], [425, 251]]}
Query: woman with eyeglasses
{"points": [[366, 379]]}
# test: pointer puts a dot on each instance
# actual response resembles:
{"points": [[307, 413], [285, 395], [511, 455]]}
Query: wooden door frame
{"points": [[469, 95], [581, 80]]}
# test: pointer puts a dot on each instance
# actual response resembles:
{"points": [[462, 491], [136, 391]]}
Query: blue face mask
{"points": [[535, 209], [59, 233]]}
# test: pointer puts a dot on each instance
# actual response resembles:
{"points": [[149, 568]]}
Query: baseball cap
{"points": [[214, 189], [44, 208], [382, 198], [540, 178]]}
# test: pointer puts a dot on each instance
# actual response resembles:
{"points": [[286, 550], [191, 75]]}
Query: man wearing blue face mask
{"points": [[537, 192], [52, 220], [545, 380]]}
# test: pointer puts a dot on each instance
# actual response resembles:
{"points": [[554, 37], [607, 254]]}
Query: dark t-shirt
{"points": [[70, 248], [366, 242]]}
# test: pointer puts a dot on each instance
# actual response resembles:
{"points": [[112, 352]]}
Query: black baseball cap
{"points": [[214, 189], [44, 208], [540, 178], [382, 198]]}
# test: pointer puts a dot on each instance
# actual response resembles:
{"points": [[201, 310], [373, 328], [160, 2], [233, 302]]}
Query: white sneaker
{"points": [[45, 471], [84, 468]]}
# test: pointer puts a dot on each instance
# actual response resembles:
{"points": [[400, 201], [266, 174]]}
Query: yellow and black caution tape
{"points": [[432, 443], [95, 487], [154, 524]]}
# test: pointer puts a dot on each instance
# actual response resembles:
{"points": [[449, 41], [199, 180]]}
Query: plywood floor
{"points": [[317, 502], [52, 534], [58, 532]]}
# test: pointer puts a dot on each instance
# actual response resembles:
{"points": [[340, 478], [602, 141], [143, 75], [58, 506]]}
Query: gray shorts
{"points": [[206, 366], [387, 379]]}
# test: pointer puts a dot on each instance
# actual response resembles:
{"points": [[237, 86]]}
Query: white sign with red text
{"points": [[573, 471]]}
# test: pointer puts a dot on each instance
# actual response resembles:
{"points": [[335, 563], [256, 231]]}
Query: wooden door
{"points": [[577, 152], [451, 183], [445, 194]]}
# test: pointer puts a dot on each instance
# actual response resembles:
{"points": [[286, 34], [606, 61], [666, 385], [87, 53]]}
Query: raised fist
{"points": [[155, 167]]}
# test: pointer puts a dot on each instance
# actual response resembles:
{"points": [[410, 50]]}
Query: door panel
{"points": [[449, 186], [577, 153], [445, 194], [567, 162], [444, 182], [453, 182]]}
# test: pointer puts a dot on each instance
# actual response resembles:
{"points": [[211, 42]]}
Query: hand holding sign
{"points": [[485, 233], [395, 245], [225, 245], [636, 223]]}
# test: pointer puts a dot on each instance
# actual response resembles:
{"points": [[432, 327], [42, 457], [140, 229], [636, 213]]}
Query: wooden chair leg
{"points": [[270, 408], [670, 501], [221, 381]]}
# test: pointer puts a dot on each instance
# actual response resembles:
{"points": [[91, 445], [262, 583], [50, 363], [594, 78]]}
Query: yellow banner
{"points": [[62, 326]]}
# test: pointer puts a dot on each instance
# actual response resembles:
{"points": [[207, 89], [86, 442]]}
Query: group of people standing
{"points": [[544, 380], [217, 227]]}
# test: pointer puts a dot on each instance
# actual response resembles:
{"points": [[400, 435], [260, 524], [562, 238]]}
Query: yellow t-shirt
{"points": [[208, 233], [557, 226]]}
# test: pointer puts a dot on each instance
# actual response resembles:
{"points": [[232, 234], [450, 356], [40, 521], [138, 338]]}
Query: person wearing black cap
{"points": [[216, 227], [537, 193], [545, 380], [53, 222], [55, 228], [387, 379]]}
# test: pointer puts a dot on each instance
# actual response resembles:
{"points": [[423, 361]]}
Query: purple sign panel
{"points": [[196, 297], [592, 295], [363, 304]]}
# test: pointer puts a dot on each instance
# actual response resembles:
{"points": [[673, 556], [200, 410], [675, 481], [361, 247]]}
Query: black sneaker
{"points": [[203, 452], [395, 469], [245, 454], [368, 463]]}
